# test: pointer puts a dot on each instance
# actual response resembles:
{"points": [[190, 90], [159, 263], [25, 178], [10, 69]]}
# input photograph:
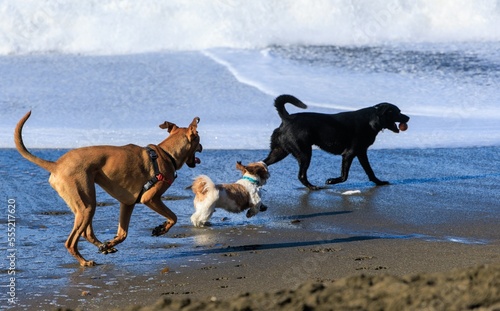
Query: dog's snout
{"points": [[404, 118]]}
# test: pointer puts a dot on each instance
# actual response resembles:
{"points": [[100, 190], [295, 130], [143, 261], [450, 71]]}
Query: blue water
{"points": [[107, 72]]}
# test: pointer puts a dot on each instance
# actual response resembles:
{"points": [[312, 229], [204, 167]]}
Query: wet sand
{"points": [[281, 261], [440, 212]]}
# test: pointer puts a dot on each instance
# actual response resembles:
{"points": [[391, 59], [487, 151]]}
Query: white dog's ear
{"points": [[240, 167]]}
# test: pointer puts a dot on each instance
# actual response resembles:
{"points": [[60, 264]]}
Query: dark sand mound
{"points": [[465, 289]]}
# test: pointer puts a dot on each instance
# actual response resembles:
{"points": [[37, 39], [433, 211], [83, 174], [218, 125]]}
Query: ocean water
{"points": [[108, 72]]}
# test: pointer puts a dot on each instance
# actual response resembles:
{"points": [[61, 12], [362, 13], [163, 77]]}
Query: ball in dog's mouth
{"points": [[403, 126]]}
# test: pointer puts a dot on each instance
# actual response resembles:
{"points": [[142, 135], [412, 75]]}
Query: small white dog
{"points": [[243, 194]]}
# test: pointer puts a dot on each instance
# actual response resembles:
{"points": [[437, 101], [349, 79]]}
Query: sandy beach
{"points": [[364, 274], [431, 219]]}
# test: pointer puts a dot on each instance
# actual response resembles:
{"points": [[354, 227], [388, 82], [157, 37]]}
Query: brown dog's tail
{"points": [[280, 102], [18, 139]]}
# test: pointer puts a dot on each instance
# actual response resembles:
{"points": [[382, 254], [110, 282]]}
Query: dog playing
{"points": [[131, 174], [347, 133], [235, 198]]}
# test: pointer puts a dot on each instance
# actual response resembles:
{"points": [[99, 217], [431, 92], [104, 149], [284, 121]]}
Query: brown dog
{"points": [[131, 174]]}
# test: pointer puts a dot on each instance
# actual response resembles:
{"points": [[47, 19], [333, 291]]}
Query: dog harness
{"points": [[158, 176]]}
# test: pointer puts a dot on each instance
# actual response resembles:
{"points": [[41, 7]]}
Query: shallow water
{"points": [[435, 195]]}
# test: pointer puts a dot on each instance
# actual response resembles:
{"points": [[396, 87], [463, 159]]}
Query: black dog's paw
{"points": [[379, 182], [314, 188], [159, 230], [333, 181]]}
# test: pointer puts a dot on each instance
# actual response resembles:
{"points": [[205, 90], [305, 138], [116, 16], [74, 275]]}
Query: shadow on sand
{"points": [[252, 247]]}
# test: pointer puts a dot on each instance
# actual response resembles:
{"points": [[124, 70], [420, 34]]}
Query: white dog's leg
{"points": [[252, 211], [206, 213], [195, 219], [205, 208]]}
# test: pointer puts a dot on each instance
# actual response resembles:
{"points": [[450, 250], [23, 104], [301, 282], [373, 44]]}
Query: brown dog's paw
{"points": [[89, 263], [106, 249], [159, 230], [109, 251]]}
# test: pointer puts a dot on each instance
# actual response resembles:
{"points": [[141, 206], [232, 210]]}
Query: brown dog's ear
{"points": [[240, 167], [193, 128], [167, 125], [195, 122]]}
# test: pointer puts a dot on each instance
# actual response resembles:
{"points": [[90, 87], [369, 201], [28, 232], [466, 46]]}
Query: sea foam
{"points": [[121, 27]]}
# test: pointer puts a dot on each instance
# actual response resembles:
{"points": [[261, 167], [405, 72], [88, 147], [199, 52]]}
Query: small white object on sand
{"points": [[351, 192]]}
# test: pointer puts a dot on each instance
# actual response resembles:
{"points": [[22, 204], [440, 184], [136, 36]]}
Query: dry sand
{"points": [[461, 289], [343, 273]]}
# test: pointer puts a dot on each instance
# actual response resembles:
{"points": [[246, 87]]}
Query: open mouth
{"points": [[400, 123], [393, 127], [402, 126], [194, 160]]}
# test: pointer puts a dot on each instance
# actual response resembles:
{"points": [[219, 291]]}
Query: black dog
{"points": [[347, 133]]}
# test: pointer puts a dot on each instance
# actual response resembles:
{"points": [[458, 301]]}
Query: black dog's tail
{"points": [[280, 102]]}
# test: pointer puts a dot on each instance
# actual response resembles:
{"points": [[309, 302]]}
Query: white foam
{"points": [[127, 26], [351, 192]]}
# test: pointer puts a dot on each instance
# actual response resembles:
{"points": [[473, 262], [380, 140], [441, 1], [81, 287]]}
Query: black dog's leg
{"points": [[347, 158], [304, 159], [363, 159]]}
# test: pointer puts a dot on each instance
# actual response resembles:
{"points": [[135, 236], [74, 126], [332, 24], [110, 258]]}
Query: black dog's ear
{"points": [[382, 108]]}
